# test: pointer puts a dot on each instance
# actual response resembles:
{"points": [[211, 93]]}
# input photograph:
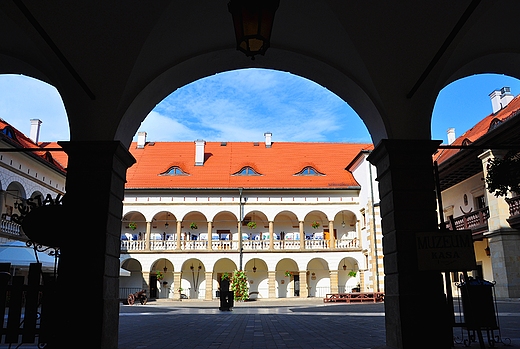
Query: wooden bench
{"points": [[355, 297]]}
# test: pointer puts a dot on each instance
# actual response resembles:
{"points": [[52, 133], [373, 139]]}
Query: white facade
{"points": [[323, 263]]}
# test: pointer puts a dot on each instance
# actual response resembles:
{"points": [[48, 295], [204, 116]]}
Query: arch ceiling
{"points": [[388, 60]]}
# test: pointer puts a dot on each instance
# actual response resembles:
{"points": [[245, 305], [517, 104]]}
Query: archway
{"points": [[287, 278], [133, 283], [161, 279], [257, 274], [348, 275], [318, 278], [193, 280]]}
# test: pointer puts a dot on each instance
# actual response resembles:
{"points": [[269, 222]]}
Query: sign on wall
{"points": [[450, 250]]}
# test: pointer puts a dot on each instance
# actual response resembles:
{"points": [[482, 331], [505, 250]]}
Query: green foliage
{"points": [[225, 276], [352, 273], [239, 285], [503, 175]]}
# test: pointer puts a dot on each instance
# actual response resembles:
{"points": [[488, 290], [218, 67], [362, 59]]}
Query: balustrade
{"points": [[10, 228], [232, 245], [477, 221]]}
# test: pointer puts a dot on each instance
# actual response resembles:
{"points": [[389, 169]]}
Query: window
{"points": [[175, 171], [480, 202], [8, 131], [309, 171], [247, 171]]}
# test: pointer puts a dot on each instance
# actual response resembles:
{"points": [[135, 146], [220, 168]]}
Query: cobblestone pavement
{"points": [[273, 324]]}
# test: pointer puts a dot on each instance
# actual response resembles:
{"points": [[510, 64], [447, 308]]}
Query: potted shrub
{"points": [[352, 273], [159, 275], [193, 225], [251, 225], [132, 225], [239, 286], [287, 273], [315, 225]]}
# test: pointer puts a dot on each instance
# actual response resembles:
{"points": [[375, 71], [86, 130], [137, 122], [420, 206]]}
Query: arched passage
{"points": [[318, 278], [287, 278], [257, 274], [193, 281]]}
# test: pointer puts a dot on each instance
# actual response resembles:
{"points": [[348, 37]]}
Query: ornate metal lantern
{"points": [[253, 22]]}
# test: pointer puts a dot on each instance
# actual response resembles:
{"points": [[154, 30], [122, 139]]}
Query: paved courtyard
{"points": [[290, 323]]}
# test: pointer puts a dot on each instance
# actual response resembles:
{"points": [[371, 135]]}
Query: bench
{"points": [[355, 297]]}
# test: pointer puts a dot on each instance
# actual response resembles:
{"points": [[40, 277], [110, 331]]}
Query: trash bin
{"points": [[226, 296], [226, 300], [478, 304]]}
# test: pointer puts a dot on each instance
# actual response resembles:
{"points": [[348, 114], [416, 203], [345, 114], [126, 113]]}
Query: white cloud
{"points": [[23, 98], [161, 128]]}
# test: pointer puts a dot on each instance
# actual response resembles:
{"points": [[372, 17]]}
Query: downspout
{"points": [[374, 225]]}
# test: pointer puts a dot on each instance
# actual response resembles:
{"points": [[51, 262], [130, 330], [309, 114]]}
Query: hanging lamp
{"points": [[253, 23]]}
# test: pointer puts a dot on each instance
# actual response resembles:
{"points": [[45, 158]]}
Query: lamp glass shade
{"points": [[253, 23]]}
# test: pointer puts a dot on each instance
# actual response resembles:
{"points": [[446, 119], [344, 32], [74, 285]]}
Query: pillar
{"points": [[177, 275], [331, 235], [96, 175], [271, 235], [334, 281], [209, 286], [408, 206], [504, 241], [271, 275], [147, 236], [304, 291], [210, 236], [178, 235], [302, 235]]}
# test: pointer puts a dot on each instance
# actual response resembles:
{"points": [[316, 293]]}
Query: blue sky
{"points": [[241, 105]]}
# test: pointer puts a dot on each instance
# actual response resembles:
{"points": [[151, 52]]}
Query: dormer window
{"points": [[247, 171], [8, 131], [309, 171], [494, 124], [174, 171]]}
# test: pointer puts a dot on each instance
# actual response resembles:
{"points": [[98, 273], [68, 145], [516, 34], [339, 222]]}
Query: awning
{"points": [[20, 256]]}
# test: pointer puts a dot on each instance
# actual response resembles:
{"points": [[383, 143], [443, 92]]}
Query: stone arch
{"points": [[346, 226], [260, 227], [193, 281], [286, 225], [133, 283], [346, 278], [164, 225], [133, 226], [195, 225], [286, 271], [257, 275], [318, 277]]}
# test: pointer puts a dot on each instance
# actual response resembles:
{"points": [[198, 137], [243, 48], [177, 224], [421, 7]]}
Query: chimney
{"points": [[141, 140], [451, 135], [35, 130], [268, 139], [501, 98], [199, 152]]}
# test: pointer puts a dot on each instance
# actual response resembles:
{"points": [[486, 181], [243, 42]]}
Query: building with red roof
{"points": [[494, 221], [297, 211]]}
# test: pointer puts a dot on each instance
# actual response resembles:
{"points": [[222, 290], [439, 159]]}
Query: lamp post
{"points": [[240, 249], [253, 23]]}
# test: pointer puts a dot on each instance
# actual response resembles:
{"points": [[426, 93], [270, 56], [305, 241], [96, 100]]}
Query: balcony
{"points": [[232, 245], [10, 229], [476, 221], [514, 212]]}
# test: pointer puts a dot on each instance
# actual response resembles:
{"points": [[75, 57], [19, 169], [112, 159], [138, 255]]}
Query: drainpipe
{"points": [[374, 225], [240, 249]]}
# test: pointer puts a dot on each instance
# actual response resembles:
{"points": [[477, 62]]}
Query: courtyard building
{"points": [[298, 218]]}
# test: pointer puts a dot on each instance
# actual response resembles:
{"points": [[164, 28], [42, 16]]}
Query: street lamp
{"points": [[240, 249], [253, 22]]}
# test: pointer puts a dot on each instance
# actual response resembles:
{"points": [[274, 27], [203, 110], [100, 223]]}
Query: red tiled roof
{"points": [[277, 165], [22, 141], [480, 129]]}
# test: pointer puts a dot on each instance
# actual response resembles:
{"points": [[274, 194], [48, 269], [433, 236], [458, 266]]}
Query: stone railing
{"points": [[232, 245]]}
